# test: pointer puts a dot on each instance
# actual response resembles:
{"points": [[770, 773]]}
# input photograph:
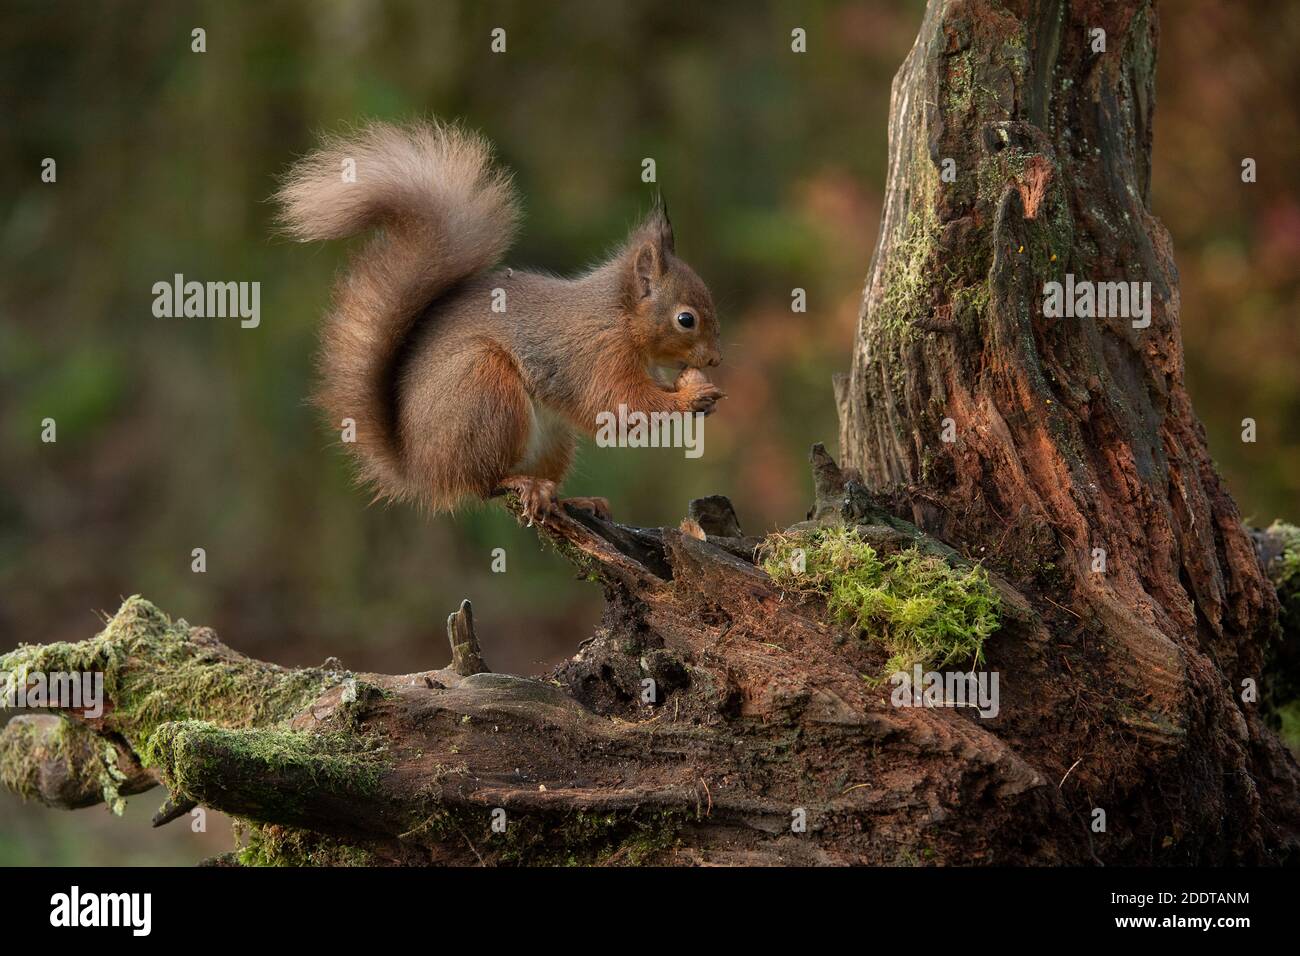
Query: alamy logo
{"points": [[209, 300], [946, 689], [628, 429], [103, 909], [1101, 300], [70, 690]]}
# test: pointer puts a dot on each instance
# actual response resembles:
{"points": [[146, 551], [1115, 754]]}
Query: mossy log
{"points": [[708, 713], [712, 718]]}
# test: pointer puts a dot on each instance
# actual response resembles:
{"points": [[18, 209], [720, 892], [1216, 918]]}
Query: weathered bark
{"points": [[711, 712], [1071, 434], [759, 715]]}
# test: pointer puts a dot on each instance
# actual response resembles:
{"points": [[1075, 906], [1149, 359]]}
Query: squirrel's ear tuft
{"points": [[661, 227]]}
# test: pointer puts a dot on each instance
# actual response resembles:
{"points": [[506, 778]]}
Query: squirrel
{"points": [[466, 381]]}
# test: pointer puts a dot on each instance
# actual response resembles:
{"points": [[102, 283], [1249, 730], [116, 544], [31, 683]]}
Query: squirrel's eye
{"points": [[686, 320]]}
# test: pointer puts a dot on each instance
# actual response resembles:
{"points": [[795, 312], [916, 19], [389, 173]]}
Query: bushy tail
{"points": [[444, 212]]}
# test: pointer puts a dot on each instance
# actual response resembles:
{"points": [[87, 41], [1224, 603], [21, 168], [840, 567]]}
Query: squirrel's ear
{"points": [[654, 245], [647, 267]]}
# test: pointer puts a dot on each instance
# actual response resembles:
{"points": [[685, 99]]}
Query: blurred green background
{"points": [[175, 434]]}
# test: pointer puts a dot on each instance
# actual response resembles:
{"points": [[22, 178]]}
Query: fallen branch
{"points": [[711, 719]]}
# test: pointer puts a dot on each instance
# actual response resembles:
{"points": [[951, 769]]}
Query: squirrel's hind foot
{"points": [[536, 496], [597, 506]]}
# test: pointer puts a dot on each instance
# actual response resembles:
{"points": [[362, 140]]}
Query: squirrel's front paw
{"points": [[697, 393]]}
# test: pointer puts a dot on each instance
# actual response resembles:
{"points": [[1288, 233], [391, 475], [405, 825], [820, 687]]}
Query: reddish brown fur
{"points": [[451, 398]]}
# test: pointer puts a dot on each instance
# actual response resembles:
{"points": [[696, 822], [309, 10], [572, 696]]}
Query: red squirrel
{"points": [[465, 380]]}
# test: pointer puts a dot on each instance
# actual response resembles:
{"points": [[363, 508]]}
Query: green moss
{"points": [[916, 605], [959, 84], [155, 674], [581, 838], [647, 843], [908, 280], [109, 775], [25, 746], [286, 846], [969, 303], [210, 721], [158, 677], [273, 767], [1283, 685], [1289, 716], [588, 838], [1285, 570]]}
